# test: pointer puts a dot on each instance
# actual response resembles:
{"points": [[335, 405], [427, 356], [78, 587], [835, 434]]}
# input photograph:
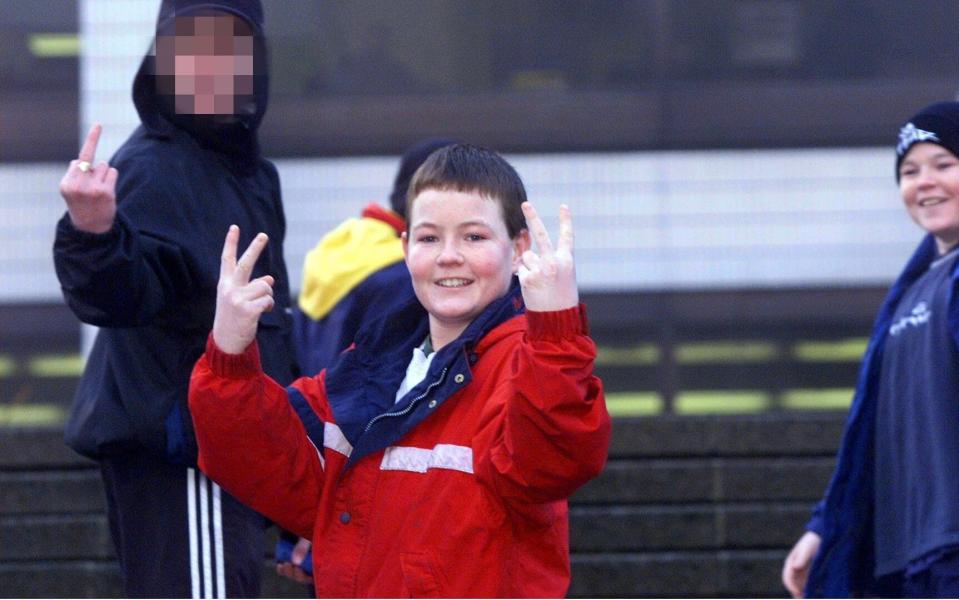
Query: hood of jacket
{"points": [[236, 140]]}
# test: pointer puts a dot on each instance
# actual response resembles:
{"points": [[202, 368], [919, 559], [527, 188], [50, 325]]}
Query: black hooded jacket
{"points": [[150, 281]]}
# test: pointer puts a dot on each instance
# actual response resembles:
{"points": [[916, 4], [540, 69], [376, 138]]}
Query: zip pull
{"points": [[412, 403]]}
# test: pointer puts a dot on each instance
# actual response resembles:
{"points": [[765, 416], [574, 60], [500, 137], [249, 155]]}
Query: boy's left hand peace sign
{"points": [[548, 279], [240, 301]]}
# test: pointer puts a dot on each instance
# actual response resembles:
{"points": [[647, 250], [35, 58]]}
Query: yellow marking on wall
{"points": [[846, 350], [8, 366], [634, 404], [54, 45], [56, 365], [819, 399], [32, 415], [725, 402], [644, 354], [726, 352]]}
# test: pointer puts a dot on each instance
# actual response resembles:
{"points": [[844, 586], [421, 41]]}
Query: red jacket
{"points": [[470, 502]]}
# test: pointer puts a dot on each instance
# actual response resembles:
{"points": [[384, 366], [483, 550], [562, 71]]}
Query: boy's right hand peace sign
{"points": [[239, 301], [90, 191], [548, 279]]}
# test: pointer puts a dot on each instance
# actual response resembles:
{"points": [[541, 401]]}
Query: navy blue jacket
{"points": [[150, 281], [844, 565], [355, 274]]}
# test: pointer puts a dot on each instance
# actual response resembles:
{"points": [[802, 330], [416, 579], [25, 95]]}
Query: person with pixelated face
{"points": [[206, 66], [136, 255]]}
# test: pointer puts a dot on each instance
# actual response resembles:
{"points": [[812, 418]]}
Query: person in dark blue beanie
{"points": [[138, 254], [936, 124], [888, 525]]}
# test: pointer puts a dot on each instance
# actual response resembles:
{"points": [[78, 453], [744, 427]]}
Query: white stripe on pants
{"points": [[206, 554]]}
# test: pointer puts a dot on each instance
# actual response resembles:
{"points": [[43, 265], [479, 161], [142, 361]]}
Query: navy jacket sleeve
{"points": [[815, 523], [127, 276]]}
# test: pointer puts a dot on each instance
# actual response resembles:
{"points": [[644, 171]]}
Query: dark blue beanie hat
{"points": [[413, 157], [937, 124]]}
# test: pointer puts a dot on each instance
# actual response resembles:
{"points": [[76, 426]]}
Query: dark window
{"points": [[39, 81], [368, 77]]}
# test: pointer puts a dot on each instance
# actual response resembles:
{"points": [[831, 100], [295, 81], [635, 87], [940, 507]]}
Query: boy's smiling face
{"points": [[929, 184], [460, 257]]}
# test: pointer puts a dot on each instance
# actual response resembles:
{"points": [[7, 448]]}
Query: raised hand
{"points": [[90, 191], [239, 301], [548, 279]]}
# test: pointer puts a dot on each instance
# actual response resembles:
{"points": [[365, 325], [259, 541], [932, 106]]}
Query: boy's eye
{"points": [[945, 165], [426, 238], [475, 237]]}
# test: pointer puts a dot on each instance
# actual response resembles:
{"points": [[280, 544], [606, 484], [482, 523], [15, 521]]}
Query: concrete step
{"points": [[51, 492], [101, 579], [38, 449], [694, 527], [778, 434], [707, 480], [592, 529], [680, 574], [737, 574], [622, 482]]}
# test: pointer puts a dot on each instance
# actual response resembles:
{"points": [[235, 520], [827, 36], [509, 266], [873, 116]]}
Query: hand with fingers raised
{"points": [[548, 279], [90, 191], [239, 301]]}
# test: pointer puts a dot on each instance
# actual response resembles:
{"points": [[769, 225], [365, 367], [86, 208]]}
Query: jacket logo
{"points": [[910, 134], [919, 316]]}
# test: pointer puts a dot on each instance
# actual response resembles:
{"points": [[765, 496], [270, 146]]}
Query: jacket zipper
{"points": [[412, 403]]}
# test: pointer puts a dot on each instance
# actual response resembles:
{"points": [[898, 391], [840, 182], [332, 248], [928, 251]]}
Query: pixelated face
{"points": [[207, 65]]}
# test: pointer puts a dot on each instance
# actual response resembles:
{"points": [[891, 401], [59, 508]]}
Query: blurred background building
{"points": [[729, 164], [704, 145]]}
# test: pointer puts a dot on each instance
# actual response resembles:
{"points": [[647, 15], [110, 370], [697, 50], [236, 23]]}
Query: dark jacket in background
{"points": [[150, 282], [845, 563], [354, 275]]}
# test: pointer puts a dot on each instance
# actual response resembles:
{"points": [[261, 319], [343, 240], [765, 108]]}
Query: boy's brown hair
{"points": [[467, 168]]}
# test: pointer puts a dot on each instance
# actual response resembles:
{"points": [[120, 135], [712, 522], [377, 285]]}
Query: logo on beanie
{"points": [[910, 134]]}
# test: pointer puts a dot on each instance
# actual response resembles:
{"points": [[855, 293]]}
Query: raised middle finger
{"points": [[89, 149]]}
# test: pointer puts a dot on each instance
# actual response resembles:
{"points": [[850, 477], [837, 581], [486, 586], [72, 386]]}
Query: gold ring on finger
{"points": [[84, 166]]}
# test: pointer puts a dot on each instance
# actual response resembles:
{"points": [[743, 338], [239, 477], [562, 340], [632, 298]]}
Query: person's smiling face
{"points": [[460, 257], [929, 184]]}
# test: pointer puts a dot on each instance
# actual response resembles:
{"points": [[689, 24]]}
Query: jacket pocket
{"points": [[422, 575]]}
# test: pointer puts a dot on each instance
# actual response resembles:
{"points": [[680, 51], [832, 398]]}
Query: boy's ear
{"points": [[406, 245]]}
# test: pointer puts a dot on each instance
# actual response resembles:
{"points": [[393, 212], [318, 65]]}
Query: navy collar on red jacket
{"points": [[361, 385]]}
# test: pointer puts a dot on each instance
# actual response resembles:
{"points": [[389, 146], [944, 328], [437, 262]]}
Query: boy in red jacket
{"points": [[435, 456]]}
